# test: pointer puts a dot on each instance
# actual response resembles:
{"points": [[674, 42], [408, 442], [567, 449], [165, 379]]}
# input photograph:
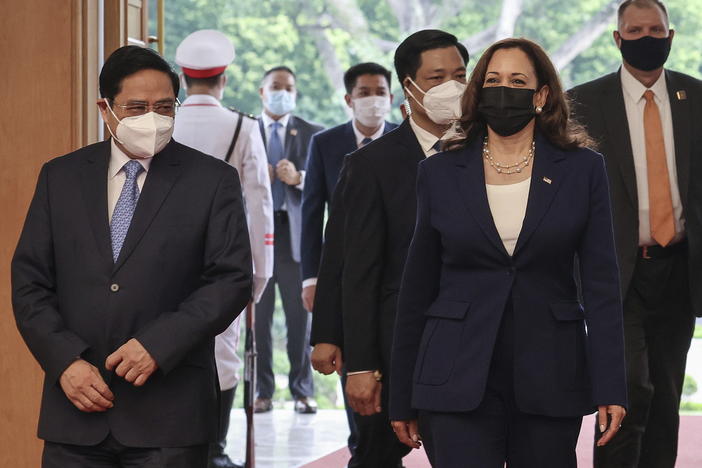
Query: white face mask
{"points": [[442, 103], [371, 110], [144, 135]]}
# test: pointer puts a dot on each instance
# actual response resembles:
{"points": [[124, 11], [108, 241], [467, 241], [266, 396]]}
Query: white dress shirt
{"points": [[635, 103], [267, 122], [116, 176], [508, 205], [426, 139], [360, 136]]}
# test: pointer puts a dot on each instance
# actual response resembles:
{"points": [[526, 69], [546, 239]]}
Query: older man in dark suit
{"points": [[287, 139], [134, 255], [647, 121]]}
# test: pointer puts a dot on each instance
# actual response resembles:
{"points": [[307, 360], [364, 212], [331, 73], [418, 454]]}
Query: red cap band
{"points": [[210, 72]]}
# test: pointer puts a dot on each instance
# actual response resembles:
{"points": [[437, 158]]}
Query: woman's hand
{"points": [[617, 414], [407, 432]]}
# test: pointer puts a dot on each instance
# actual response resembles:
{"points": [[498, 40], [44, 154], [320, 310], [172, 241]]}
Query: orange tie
{"points": [[660, 202]]}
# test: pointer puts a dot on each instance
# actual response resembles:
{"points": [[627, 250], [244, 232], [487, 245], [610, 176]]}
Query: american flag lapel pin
{"points": [[681, 95], [547, 180]]}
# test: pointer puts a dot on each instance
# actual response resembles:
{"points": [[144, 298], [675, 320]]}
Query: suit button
{"points": [[114, 287]]}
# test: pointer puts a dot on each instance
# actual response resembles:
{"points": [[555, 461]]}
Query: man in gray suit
{"points": [[647, 122], [287, 138]]}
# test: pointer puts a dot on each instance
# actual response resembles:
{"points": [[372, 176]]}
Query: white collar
{"points": [[635, 90], [360, 136], [267, 120], [118, 159], [201, 100], [426, 139]]}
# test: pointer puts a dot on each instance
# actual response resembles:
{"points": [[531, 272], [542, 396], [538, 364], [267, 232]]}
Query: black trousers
{"points": [[497, 431], [352, 441], [112, 454], [658, 327], [286, 274], [377, 445], [216, 451]]}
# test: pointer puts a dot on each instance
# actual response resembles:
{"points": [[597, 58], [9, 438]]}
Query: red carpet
{"points": [[689, 453]]}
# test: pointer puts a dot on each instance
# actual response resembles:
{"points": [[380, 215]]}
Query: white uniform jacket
{"points": [[204, 124]]}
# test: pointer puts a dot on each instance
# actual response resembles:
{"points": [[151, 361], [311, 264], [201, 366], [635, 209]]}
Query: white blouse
{"points": [[508, 206]]}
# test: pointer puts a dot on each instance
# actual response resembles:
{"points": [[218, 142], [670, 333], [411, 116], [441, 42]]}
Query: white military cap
{"points": [[204, 53]]}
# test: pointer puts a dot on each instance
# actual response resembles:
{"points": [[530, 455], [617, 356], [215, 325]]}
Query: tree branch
{"points": [[511, 9], [586, 35]]}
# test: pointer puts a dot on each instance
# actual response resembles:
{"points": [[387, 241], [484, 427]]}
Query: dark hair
{"points": [[408, 56], [209, 82], [367, 68], [276, 69], [127, 61], [641, 4], [554, 122]]}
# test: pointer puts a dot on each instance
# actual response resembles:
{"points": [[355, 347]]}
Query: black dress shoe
{"points": [[305, 405], [222, 461]]}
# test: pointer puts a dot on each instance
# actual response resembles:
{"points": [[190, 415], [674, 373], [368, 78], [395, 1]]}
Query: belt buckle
{"points": [[644, 254]]}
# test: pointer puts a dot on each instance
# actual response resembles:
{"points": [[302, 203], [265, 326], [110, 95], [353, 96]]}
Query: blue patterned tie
{"points": [[365, 141], [275, 154], [124, 209]]}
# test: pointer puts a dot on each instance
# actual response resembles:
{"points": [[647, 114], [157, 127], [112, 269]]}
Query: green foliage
{"points": [[689, 386], [267, 33]]}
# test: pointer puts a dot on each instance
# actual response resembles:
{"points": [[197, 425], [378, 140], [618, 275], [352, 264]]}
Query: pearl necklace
{"points": [[508, 168]]}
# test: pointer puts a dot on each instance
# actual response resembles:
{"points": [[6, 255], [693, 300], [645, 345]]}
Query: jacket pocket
{"points": [[569, 345], [440, 341]]}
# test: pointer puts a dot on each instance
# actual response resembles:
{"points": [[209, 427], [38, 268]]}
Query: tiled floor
{"points": [[285, 439]]}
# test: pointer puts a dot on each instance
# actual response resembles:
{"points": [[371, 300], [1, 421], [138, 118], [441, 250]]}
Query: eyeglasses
{"points": [[137, 108]]}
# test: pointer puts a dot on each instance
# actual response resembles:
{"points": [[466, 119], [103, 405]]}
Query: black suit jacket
{"points": [[599, 105], [324, 161], [298, 133], [376, 207], [183, 274], [459, 278]]}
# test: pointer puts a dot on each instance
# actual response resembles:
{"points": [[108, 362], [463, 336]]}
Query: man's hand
{"points": [[83, 385], [326, 358], [132, 362], [363, 393], [617, 414], [308, 297], [286, 172], [407, 432]]}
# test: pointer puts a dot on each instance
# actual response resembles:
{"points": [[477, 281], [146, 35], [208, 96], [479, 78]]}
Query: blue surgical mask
{"points": [[280, 102]]}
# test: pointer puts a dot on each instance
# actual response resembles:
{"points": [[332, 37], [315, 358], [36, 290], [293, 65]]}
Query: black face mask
{"points": [[647, 53], [507, 110]]}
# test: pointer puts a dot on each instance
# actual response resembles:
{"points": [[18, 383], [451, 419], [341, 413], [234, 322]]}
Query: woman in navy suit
{"points": [[494, 358]]}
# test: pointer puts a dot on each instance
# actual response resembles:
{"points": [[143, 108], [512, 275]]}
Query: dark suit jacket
{"points": [[182, 276], [378, 212], [298, 133], [459, 278], [325, 157], [599, 105]]}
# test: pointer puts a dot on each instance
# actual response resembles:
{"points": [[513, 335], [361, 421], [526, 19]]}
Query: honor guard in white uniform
{"points": [[204, 124]]}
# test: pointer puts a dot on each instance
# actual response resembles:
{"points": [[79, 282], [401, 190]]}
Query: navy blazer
{"points": [[324, 160], [459, 277]]}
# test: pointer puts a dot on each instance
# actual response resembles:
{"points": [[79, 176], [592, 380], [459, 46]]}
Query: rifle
{"points": [[250, 384]]}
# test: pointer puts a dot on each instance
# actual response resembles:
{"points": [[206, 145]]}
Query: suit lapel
{"points": [[617, 124], [546, 177], [290, 138], [263, 132], [470, 179], [94, 186], [681, 112], [349, 144], [163, 172]]}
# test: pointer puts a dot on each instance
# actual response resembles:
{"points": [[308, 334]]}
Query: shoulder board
{"points": [[243, 114]]}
